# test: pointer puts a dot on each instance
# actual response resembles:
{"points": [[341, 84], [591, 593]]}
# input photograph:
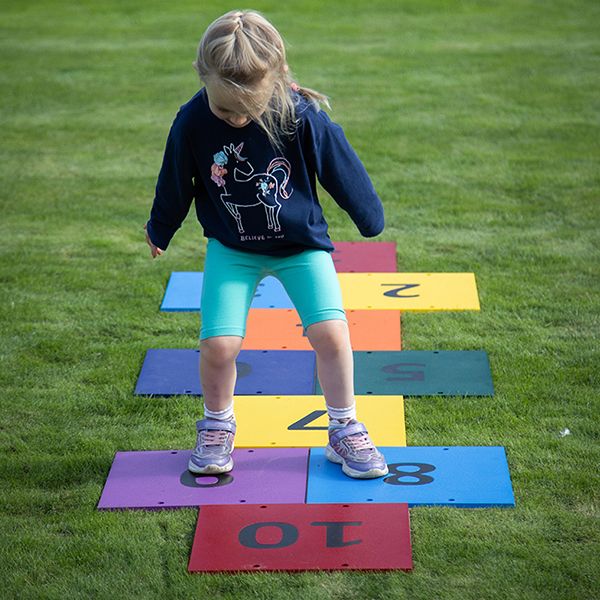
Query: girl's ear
{"points": [[286, 68]]}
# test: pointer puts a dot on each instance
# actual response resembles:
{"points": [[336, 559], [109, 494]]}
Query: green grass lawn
{"points": [[479, 123]]}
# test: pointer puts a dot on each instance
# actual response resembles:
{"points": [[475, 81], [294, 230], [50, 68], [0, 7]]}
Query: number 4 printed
{"points": [[302, 424]]}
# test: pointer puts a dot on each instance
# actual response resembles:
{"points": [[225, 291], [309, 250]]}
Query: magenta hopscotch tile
{"points": [[365, 257]]}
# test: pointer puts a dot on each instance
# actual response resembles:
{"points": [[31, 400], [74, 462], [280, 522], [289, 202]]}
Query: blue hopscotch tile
{"points": [[169, 372], [184, 291], [467, 477]]}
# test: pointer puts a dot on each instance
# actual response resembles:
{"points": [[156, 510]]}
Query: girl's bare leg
{"points": [[217, 370], [335, 363]]}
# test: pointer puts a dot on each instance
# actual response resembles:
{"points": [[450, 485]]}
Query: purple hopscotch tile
{"points": [[160, 479]]}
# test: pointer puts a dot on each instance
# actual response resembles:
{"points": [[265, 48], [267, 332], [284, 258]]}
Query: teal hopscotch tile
{"points": [[422, 373]]}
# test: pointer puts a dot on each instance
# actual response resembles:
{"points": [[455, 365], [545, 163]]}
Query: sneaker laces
{"points": [[360, 442], [213, 437]]}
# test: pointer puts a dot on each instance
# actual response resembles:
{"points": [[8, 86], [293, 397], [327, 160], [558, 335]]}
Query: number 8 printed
{"points": [[397, 474]]}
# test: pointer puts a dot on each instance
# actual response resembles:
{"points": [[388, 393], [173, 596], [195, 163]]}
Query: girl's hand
{"points": [[155, 250]]}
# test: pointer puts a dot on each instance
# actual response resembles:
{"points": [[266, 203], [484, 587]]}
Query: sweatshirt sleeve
{"points": [[343, 175], [174, 188]]}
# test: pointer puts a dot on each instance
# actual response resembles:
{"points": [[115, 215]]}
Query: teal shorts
{"points": [[231, 277]]}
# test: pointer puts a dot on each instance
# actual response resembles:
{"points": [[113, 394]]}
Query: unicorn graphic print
{"points": [[262, 190]]}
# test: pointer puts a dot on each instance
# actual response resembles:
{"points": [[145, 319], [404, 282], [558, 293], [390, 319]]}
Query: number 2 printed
{"points": [[400, 287]]}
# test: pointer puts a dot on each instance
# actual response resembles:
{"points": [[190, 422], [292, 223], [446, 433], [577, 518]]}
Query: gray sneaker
{"points": [[351, 447], [214, 446]]}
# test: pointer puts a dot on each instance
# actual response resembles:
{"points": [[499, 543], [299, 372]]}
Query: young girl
{"points": [[248, 148]]}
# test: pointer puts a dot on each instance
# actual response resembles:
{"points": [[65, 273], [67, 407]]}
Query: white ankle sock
{"points": [[340, 416], [220, 415]]}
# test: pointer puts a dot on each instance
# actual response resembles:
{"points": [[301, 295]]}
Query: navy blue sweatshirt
{"points": [[251, 196]]}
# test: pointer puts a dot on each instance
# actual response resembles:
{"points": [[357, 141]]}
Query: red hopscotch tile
{"points": [[302, 537]]}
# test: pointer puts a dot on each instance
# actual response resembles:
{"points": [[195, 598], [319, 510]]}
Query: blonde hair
{"points": [[240, 51]]}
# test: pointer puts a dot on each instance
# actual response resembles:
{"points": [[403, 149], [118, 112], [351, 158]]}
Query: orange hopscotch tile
{"points": [[281, 329], [375, 329], [274, 329]]}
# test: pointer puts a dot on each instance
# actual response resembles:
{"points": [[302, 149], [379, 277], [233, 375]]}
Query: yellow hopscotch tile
{"points": [[409, 291], [301, 421]]}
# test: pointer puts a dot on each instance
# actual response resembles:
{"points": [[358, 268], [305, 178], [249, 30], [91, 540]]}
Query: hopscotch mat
{"points": [[301, 421], [286, 537], [284, 506], [360, 291]]}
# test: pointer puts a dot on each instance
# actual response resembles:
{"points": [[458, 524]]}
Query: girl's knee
{"points": [[220, 349], [329, 337]]}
